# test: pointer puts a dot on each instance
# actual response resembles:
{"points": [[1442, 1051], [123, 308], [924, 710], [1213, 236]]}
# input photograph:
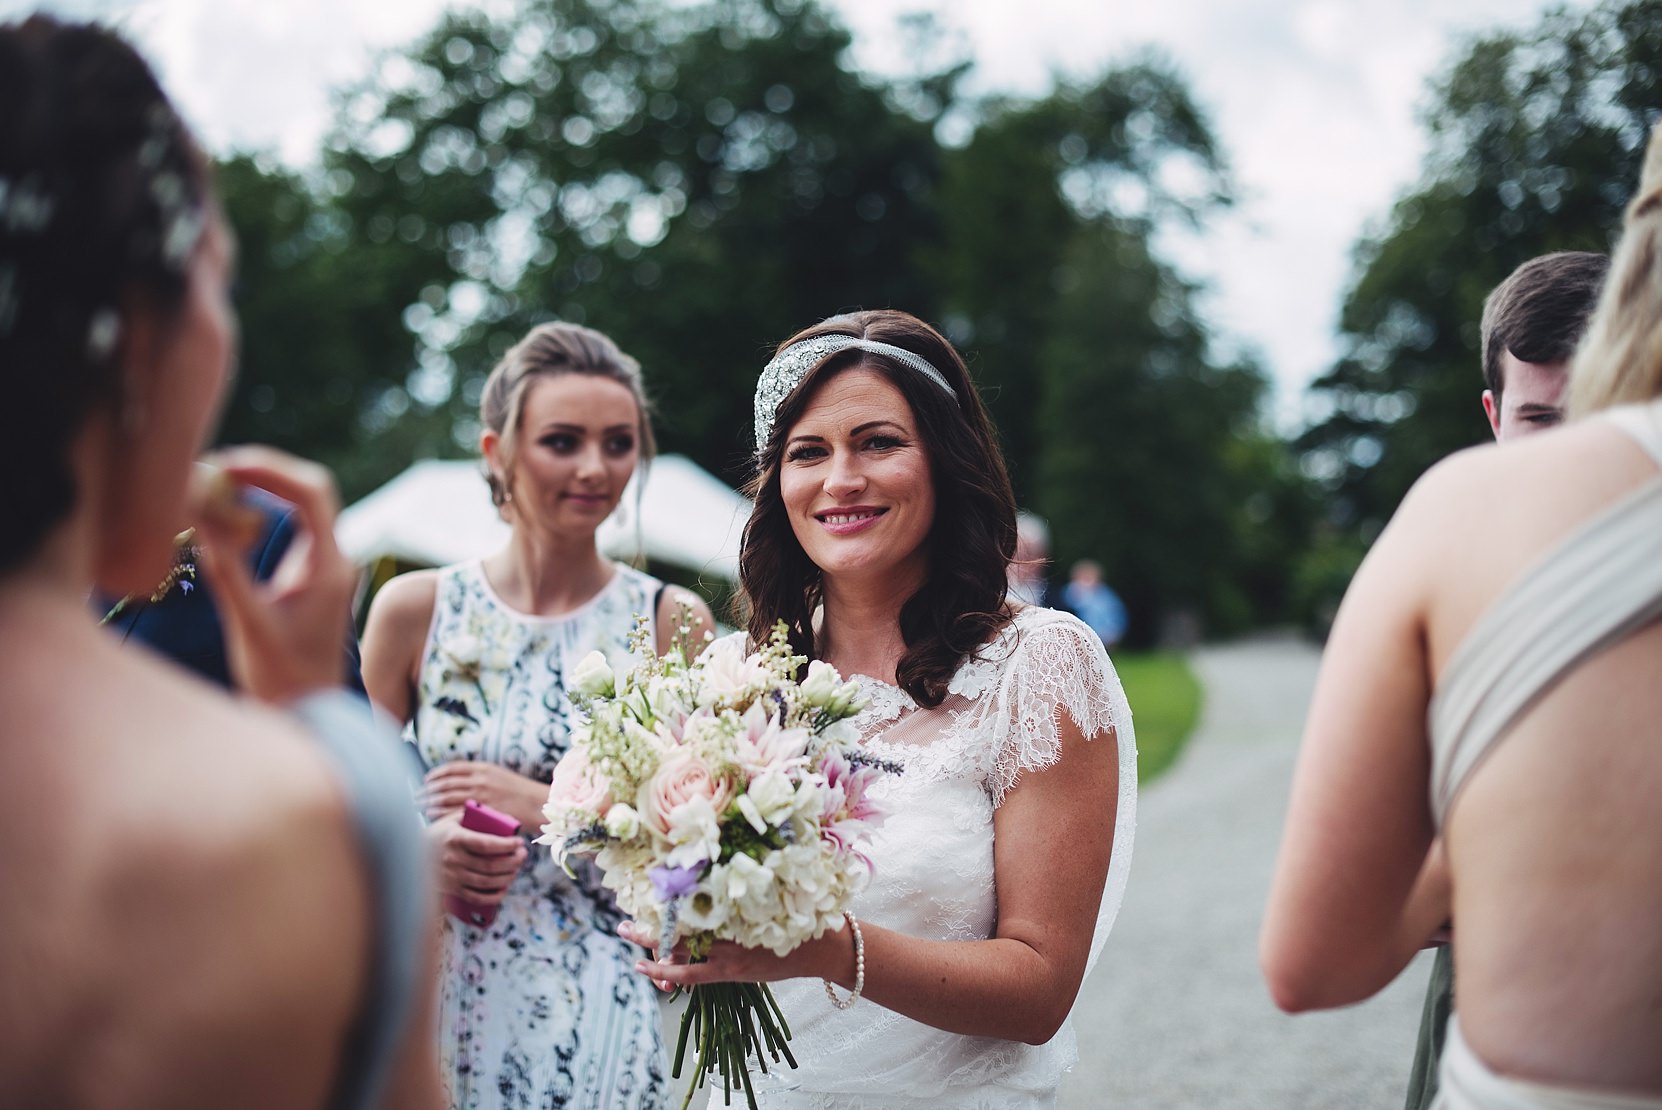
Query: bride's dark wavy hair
{"points": [[961, 603]]}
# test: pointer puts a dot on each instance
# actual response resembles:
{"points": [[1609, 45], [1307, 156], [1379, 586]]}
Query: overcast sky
{"points": [[1315, 102]]}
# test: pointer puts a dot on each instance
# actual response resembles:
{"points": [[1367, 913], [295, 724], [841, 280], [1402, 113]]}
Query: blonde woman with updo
{"points": [[538, 1005]]}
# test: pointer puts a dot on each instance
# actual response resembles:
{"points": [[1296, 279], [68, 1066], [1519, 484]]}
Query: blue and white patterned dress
{"points": [[541, 1008]]}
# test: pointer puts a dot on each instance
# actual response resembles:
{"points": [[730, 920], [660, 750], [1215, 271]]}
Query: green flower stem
{"points": [[729, 1023]]}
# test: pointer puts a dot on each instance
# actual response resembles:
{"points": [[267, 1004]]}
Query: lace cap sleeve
{"points": [[1055, 666]]}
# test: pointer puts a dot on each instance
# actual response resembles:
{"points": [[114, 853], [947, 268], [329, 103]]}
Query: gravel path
{"points": [[1175, 1013]]}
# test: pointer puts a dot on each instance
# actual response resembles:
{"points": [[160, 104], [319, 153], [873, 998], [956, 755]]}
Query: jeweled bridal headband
{"points": [[791, 365]]}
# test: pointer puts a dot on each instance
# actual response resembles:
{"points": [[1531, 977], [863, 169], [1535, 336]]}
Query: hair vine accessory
{"points": [[791, 365], [859, 968]]}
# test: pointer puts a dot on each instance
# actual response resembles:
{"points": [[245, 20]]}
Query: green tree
{"points": [[700, 181], [1121, 426], [1016, 200], [1536, 138], [697, 181], [1153, 461], [322, 342]]}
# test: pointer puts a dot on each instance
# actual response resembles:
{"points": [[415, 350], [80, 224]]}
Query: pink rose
{"points": [[579, 786], [681, 777]]}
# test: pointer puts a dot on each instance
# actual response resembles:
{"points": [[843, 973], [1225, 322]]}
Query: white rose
{"points": [[622, 821], [593, 677]]}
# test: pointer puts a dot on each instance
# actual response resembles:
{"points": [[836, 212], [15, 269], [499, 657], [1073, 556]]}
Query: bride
{"points": [[883, 526]]}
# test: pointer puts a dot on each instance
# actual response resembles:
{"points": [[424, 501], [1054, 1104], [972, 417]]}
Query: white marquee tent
{"points": [[440, 512]]}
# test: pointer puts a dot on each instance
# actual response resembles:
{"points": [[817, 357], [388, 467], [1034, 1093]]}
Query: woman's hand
{"points": [[474, 865], [283, 635], [728, 962], [449, 785]]}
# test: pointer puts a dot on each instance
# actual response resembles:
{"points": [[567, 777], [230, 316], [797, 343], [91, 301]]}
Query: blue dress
{"points": [[542, 1007]]}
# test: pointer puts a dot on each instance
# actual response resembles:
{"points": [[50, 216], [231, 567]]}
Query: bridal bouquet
{"points": [[723, 799]]}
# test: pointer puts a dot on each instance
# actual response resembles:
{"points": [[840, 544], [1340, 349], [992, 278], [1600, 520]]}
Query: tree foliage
{"points": [[1536, 139], [702, 180]]}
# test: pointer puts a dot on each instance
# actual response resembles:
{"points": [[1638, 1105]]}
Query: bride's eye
{"points": [[804, 451]]}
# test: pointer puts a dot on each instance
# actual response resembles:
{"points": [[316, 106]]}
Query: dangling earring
{"points": [[621, 513]]}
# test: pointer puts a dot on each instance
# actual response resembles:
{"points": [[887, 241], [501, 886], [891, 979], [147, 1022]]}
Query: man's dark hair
{"points": [[1540, 311]]}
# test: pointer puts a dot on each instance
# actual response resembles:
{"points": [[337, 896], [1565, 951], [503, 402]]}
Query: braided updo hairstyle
{"points": [[103, 196]]}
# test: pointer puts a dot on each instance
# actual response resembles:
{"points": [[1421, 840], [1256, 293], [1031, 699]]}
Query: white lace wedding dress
{"points": [[934, 869]]}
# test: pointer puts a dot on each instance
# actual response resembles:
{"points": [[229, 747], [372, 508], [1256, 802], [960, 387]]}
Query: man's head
{"points": [[1531, 324]]}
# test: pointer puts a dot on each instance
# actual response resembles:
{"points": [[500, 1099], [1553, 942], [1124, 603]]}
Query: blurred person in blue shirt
{"points": [[1088, 597]]}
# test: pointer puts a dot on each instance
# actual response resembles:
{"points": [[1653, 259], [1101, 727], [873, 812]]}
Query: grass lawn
{"points": [[1165, 703]]}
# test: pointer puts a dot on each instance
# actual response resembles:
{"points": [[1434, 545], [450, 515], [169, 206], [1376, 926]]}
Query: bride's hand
{"points": [[728, 962]]}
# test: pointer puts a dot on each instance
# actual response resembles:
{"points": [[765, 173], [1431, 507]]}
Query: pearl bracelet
{"points": [[859, 968]]}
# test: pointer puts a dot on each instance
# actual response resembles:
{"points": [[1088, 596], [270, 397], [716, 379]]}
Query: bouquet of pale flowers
{"points": [[723, 799]]}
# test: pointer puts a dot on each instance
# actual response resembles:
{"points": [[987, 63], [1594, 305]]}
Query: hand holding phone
{"points": [[480, 818]]}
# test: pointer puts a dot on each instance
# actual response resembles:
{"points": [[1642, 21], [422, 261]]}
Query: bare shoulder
{"points": [[677, 597], [1039, 635], [207, 895], [1590, 459], [282, 834], [679, 606], [280, 878], [404, 606]]}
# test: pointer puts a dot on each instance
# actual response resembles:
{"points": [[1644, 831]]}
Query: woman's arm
{"points": [[669, 618], [1348, 908], [1019, 985], [394, 635]]}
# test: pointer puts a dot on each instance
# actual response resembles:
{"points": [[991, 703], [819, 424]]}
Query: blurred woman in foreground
{"points": [[1492, 679], [209, 902]]}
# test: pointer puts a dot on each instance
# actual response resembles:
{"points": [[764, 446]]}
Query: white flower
{"points": [[727, 674], [751, 888], [747, 807], [593, 677], [840, 732], [695, 830], [702, 911], [765, 746], [821, 683], [622, 821], [773, 795], [667, 695]]}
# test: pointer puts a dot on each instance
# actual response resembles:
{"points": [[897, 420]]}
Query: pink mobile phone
{"points": [[478, 817]]}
